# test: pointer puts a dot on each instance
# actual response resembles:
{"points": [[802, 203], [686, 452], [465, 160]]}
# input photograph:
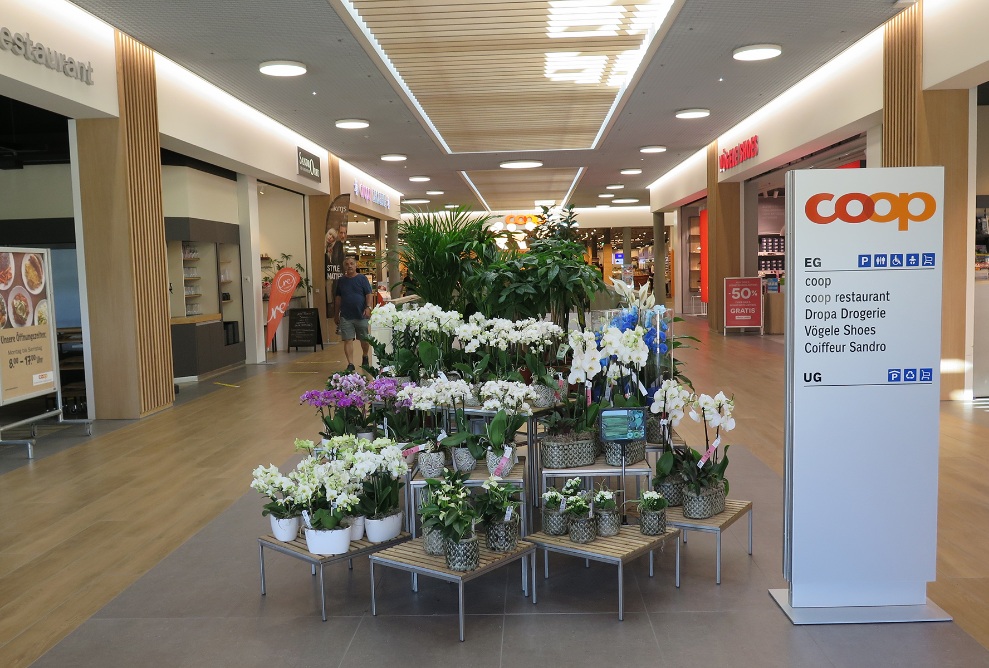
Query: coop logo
{"points": [[882, 207]]}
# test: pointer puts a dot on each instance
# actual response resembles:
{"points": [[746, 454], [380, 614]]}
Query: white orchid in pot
{"points": [[703, 473], [381, 468], [283, 508], [328, 492]]}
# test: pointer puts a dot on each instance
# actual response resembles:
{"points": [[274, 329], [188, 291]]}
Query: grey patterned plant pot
{"points": [[708, 503], [582, 530], [652, 522], [492, 460], [545, 396], [463, 555], [503, 536], [565, 452], [431, 464], [463, 460], [672, 490], [656, 432], [609, 522], [635, 452], [555, 523], [433, 542]]}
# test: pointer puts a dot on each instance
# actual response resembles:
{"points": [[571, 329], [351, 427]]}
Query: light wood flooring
{"points": [[80, 526]]}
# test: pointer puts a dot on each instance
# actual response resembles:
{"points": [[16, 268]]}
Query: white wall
{"points": [[37, 191], [681, 185], [282, 222], [191, 193], [956, 51], [65, 28]]}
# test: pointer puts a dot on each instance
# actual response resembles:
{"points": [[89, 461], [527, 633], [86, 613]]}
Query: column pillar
{"points": [[723, 250], [391, 253]]}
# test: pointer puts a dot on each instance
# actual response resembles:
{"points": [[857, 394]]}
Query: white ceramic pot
{"points": [[357, 528], [378, 531], [333, 541], [285, 530]]}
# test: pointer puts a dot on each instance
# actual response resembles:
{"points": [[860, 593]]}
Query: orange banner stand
{"points": [[282, 288]]}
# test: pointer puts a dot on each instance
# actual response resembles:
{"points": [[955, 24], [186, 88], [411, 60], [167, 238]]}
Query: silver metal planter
{"points": [[555, 523], [433, 542], [560, 452], [672, 490]]}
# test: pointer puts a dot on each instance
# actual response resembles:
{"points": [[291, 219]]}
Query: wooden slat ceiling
{"points": [[508, 190], [491, 78]]}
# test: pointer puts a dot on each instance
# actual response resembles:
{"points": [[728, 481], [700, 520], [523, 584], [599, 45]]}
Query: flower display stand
{"points": [[411, 557], [734, 509], [600, 469], [619, 550], [297, 549]]}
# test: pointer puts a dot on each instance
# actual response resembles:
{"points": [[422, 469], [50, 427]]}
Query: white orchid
{"points": [[671, 398]]}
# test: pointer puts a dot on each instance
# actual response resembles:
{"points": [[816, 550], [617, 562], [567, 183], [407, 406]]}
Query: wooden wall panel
{"points": [[724, 237], [902, 83]]}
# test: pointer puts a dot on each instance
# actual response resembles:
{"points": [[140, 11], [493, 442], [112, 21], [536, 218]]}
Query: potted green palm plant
{"points": [[498, 509]]}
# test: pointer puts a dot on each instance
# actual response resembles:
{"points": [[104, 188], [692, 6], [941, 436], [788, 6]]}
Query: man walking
{"points": [[353, 297]]}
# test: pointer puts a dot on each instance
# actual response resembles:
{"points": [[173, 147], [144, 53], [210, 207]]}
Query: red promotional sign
{"points": [[282, 288], [743, 302]]}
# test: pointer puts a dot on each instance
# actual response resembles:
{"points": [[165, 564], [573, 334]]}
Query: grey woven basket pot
{"points": [[555, 523], [672, 490], [635, 452], [502, 536], [652, 522], [463, 460], [431, 464], [463, 555], [708, 503], [545, 396], [433, 542], [565, 453], [582, 530], [655, 433], [609, 522]]}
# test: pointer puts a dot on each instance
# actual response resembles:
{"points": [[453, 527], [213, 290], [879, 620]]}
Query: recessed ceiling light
{"points": [[615, 186], [606, 195], [520, 164], [625, 200], [652, 149], [352, 123], [434, 192], [415, 201], [693, 113], [394, 157], [757, 52], [449, 206], [631, 171], [418, 179], [282, 68]]}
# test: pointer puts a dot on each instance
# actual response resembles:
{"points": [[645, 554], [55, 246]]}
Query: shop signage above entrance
{"points": [[21, 45], [733, 157], [369, 194], [309, 165]]}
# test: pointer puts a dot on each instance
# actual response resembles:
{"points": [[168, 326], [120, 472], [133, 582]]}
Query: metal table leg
{"points": [[261, 547], [750, 531], [461, 598], [525, 576], [533, 557], [621, 592], [651, 560], [719, 558], [677, 577], [322, 592], [374, 607], [350, 564], [546, 564]]}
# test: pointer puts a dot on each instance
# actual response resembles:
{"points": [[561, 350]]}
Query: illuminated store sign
{"points": [[733, 157], [309, 165], [21, 44], [369, 194]]}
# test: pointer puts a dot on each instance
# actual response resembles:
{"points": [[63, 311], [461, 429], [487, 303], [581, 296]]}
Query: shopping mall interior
{"points": [[165, 165]]}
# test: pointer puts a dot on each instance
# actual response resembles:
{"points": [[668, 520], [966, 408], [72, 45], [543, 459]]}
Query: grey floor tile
{"points": [[941, 644], [579, 640], [573, 587], [483, 596], [425, 641]]}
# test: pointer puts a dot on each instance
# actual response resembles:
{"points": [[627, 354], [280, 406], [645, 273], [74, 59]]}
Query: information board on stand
{"points": [[743, 303], [28, 354], [864, 263]]}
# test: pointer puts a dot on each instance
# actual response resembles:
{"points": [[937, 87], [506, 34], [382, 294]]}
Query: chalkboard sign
{"points": [[304, 329]]}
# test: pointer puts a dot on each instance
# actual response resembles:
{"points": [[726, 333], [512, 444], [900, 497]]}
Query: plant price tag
{"points": [[503, 465], [508, 514], [563, 504], [562, 351], [414, 449], [305, 519], [710, 452]]}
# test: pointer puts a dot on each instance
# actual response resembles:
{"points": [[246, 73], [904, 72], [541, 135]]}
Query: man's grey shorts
{"points": [[353, 329]]}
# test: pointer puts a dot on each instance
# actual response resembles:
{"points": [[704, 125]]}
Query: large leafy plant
{"points": [[449, 508]]}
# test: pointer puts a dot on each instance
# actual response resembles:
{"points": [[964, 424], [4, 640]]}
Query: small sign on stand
{"points": [[743, 303], [622, 425]]}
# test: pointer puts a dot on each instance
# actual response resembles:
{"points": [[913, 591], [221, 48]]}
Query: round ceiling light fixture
{"points": [[418, 179], [434, 192], [520, 164], [631, 171], [615, 186], [625, 200], [351, 123], [757, 52], [449, 206], [693, 113], [652, 149], [415, 201], [394, 157], [282, 68]]}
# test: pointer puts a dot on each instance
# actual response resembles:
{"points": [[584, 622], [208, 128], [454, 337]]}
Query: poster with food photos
{"points": [[27, 330]]}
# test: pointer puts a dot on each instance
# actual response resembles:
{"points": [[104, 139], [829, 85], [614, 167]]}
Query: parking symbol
{"points": [[927, 260], [865, 260], [910, 375], [913, 259], [896, 260], [893, 376], [927, 375], [879, 260]]}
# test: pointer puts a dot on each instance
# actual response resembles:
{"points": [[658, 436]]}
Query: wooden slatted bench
{"points": [[298, 549], [410, 556], [734, 509], [619, 550]]}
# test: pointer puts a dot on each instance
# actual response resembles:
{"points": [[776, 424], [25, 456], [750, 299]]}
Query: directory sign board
{"points": [[864, 256]]}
